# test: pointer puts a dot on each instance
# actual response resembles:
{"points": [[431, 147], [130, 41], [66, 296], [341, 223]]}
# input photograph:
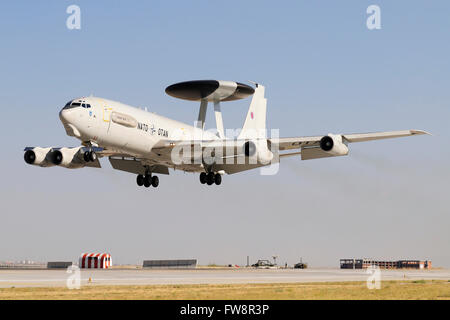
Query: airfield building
{"points": [[58, 264], [384, 264], [171, 264]]}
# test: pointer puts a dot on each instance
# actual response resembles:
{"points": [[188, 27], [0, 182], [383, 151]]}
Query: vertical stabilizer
{"points": [[255, 122]]}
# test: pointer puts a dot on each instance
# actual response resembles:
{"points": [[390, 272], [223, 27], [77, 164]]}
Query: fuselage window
{"points": [[88, 106], [76, 104]]}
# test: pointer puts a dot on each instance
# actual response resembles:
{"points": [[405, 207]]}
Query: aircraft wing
{"points": [[361, 137], [310, 146], [161, 157], [136, 166], [301, 142]]}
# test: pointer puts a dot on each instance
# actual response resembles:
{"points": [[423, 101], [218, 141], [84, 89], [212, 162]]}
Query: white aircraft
{"points": [[145, 143]]}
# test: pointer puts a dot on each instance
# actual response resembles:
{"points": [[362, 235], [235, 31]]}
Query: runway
{"points": [[57, 278]]}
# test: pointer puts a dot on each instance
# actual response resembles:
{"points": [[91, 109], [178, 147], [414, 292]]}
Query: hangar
{"points": [[95, 260]]}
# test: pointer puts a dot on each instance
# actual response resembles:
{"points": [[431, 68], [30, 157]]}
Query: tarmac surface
{"points": [[56, 278]]}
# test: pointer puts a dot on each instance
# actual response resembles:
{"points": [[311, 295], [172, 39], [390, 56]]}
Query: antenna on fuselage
{"points": [[207, 91], [219, 120], [202, 114]]}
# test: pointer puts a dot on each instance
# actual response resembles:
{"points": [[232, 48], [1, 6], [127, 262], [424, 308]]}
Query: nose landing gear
{"points": [[210, 178]]}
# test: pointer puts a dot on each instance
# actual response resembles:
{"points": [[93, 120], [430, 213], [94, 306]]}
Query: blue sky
{"points": [[324, 72]]}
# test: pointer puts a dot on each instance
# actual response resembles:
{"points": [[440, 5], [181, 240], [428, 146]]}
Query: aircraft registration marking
{"points": [[152, 129]]}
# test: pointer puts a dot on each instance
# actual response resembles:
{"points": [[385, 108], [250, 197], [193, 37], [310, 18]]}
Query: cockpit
{"points": [[76, 103]]}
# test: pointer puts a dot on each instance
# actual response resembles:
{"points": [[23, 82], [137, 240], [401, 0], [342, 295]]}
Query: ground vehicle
{"points": [[263, 264]]}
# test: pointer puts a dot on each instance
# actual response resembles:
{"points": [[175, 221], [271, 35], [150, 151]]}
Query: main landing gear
{"points": [[210, 178], [89, 156], [147, 180]]}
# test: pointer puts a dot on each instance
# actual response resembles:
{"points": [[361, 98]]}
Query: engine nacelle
{"points": [[38, 157], [48, 157], [55, 157], [70, 158], [334, 144], [258, 151]]}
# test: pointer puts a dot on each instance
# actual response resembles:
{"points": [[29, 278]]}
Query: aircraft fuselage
{"points": [[123, 128]]}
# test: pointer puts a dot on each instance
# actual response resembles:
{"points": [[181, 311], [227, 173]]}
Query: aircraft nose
{"points": [[66, 115], [63, 115], [68, 119]]}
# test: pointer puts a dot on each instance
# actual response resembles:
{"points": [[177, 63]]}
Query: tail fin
{"points": [[255, 123]]}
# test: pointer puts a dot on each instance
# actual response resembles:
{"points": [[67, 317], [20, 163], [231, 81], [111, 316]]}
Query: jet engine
{"points": [[48, 157], [258, 151], [38, 156], [334, 145], [70, 158]]}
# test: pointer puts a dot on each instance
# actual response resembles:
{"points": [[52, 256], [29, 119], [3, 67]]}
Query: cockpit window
{"points": [[72, 104], [69, 106]]}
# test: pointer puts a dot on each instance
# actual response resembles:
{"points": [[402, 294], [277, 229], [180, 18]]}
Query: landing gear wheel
{"points": [[140, 180], [89, 156], [155, 181], [217, 179], [92, 156], [86, 156], [147, 181], [210, 178], [203, 177]]}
